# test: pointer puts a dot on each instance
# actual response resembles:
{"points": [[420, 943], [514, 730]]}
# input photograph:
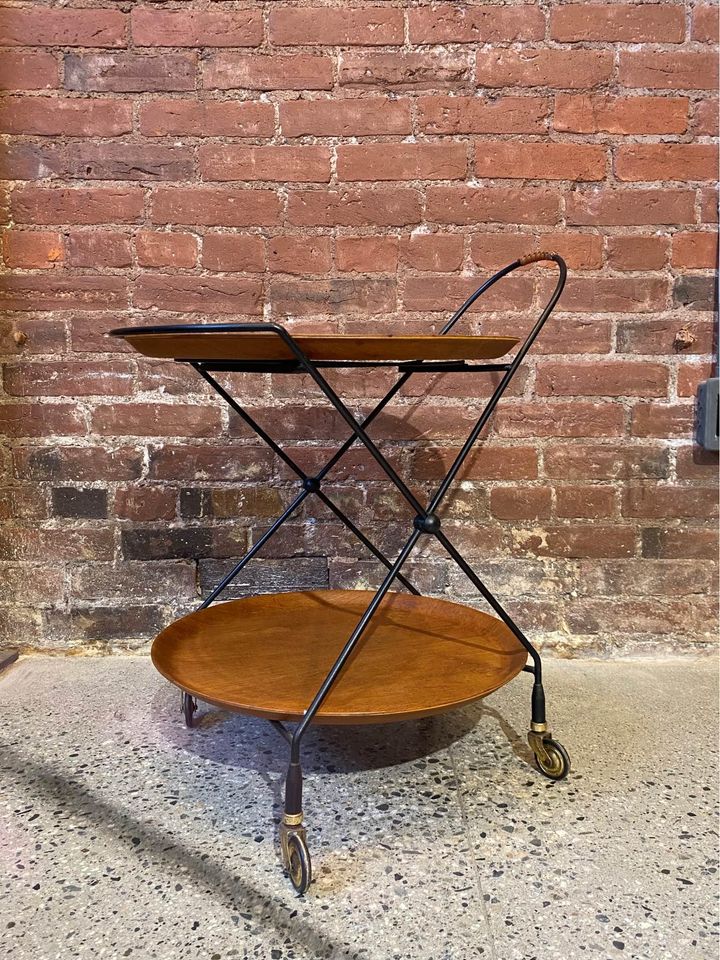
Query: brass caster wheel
{"points": [[189, 706], [299, 867], [551, 757]]}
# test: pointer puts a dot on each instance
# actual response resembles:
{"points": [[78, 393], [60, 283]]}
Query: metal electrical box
{"points": [[708, 411]]}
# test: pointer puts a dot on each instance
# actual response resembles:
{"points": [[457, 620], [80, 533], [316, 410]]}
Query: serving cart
{"points": [[348, 656]]}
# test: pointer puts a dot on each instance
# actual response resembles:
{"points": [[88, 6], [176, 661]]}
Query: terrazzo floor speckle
{"points": [[122, 834]]}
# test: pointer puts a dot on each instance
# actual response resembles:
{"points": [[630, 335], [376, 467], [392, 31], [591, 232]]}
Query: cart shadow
{"points": [[249, 743]]}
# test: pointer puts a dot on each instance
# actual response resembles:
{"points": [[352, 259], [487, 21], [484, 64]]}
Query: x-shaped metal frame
{"points": [[426, 519]]}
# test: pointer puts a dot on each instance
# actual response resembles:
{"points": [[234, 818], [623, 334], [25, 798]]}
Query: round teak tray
{"points": [[268, 655]]}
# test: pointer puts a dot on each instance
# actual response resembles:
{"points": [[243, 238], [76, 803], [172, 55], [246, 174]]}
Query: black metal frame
{"points": [[426, 520]]}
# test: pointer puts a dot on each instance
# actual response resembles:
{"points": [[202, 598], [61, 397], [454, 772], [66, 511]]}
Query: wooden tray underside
{"points": [[268, 655], [227, 345]]}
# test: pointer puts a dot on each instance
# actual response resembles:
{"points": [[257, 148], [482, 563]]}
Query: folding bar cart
{"points": [[348, 656]]}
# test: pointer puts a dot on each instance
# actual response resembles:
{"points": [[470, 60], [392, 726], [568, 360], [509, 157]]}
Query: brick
{"points": [[664, 70], [611, 378], [369, 116], [26, 335], [118, 161], [68, 378], [196, 463], [44, 588], [584, 502], [646, 577], [301, 255], [153, 27], [285, 164], [618, 23], [229, 252], [705, 25], [164, 543], [607, 206], [353, 208], [336, 296], [602, 113], [682, 543], [50, 292], [342, 26], [606, 461], [471, 205], [667, 161], [442, 114], [75, 464], [648, 617], [520, 503], [404, 71], [41, 419], [211, 206], [233, 71], [559, 419], [32, 250], [709, 205], [27, 503], [99, 248], [578, 541], [650, 335], [690, 374], [160, 249], [88, 503], [695, 293], [438, 292], [661, 420], [539, 161], [28, 70], [224, 503], [55, 27], [143, 503], [538, 67], [79, 205], [705, 118], [694, 463], [637, 252], [61, 544], [133, 580], [206, 295], [616, 294], [449, 23], [206, 118], [432, 252], [60, 116], [653, 501], [402, 161], [491, 463], [367, 254], [694, 249], [155, 420], [130, 72]]}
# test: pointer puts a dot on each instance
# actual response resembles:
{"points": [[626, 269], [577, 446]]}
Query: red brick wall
{"points": [[358, 168]]}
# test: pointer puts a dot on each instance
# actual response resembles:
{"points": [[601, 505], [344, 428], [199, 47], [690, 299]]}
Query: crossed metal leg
{"points": [[550, 755]]}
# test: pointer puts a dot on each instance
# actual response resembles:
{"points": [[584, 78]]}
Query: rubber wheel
{"points": [[558, 766], [189, 706], [299, 865]]}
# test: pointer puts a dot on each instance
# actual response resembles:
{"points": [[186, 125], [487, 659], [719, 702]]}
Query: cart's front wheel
{"points": [[299, 866], [555, 763], [189, 706]]}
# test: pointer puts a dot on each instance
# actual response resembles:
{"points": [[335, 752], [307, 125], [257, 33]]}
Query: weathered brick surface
{"points": [[357, 168]]}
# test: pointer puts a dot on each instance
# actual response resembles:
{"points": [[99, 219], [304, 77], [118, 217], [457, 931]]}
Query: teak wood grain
{"points": [[268, 655], [227, 345]]}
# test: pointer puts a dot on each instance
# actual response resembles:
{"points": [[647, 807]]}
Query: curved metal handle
{"points": [[523, 261]]}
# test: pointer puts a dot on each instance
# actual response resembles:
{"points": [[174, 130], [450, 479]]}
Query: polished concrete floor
{"points": [[122, 834]]}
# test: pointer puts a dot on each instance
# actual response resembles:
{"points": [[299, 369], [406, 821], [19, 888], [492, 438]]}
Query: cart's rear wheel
{"points": [[299, 866], [556, 764]]}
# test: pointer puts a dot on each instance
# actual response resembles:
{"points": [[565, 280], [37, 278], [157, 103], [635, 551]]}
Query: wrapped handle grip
{"points": [[534, 257]]}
